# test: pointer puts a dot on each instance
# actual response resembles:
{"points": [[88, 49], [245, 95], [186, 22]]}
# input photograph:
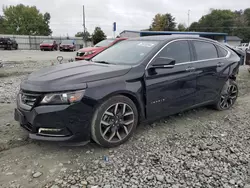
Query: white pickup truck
{"points": [[244, 46]]}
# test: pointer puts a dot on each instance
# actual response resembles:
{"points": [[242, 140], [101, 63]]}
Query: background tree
{"points": [[26, 20], [163, 22], [181, 27], [98, 35], [171, 22], [1, 25], [226, 21], [194, 26], [81, 34], [218, 21], [246, 16]]}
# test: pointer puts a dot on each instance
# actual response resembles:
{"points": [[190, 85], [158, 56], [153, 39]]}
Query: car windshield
{"points": [[67, 42], [104, 43], [127, 52], [47, 42]]}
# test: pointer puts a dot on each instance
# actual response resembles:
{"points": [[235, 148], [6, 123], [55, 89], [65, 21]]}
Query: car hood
{"points": [[71, 76], [88, 49]]}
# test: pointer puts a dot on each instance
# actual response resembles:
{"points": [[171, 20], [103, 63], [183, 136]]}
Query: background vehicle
{"points": [[137, 80], [88, 53], [67, 45], [8, 44], [48, 45], [244, 46]]}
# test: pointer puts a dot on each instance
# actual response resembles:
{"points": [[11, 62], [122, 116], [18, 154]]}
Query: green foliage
{"points": [[226, 21], [163, 22], [81, 34], [25, 20], [1, 25], [98, 35], [247, 16], [181, 27], [194, 26]]}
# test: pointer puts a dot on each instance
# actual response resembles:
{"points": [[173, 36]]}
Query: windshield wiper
{"points": [[103, 62]]}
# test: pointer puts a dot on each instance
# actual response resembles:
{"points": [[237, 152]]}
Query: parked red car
{"points": [[48, 45], [89, 52], [67, 45]]}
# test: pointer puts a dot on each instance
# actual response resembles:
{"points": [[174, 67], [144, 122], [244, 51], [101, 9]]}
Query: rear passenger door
{"points": [[212, 70]]}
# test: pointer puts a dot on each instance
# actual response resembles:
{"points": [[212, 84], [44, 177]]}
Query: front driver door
{"points": [[171, 90]]}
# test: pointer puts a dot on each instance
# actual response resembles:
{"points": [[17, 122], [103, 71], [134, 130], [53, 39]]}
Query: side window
{"points": [[179, 51], [205, 50], [222, 52]]}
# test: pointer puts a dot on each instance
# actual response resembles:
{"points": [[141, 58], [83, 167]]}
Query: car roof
{"points": [[170, 37]]}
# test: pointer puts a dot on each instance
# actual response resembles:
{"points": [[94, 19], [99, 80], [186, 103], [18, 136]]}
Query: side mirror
{"points": [[163, 63]]}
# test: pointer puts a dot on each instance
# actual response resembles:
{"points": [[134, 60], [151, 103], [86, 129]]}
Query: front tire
{"points": [[228, 95], [114, 121]]}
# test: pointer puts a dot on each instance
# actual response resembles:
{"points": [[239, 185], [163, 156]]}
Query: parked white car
{"points": [[244, 46]]}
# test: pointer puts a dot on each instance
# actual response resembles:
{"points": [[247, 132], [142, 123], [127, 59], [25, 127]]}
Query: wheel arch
{"points": [[234, 70], [136, 100]]}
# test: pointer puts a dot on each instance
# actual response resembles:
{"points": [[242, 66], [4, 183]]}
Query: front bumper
{"points": [[57, 122], [46, 47], [66, 48]]}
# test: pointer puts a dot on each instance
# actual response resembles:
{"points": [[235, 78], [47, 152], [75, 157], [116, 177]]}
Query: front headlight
{"points": [[89, 53], [63, 98]]}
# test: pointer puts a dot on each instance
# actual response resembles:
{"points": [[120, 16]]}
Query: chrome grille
{"points": [[28, 99]]}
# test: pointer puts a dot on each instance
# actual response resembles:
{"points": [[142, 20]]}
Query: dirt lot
{"points": [[198, 148]]}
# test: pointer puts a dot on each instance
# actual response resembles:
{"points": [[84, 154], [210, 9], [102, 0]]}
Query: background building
{"points": [[211, 35]]}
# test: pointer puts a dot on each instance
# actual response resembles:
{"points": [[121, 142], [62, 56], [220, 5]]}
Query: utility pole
{"points": [[84, 27], [114, 28], [188, 19]]}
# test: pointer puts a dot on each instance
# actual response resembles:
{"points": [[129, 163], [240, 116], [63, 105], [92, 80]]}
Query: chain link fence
{"points": [[27, 42]]}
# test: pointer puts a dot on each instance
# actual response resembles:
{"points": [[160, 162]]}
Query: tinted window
{"points": [[47, 42], [67, 42], [179, 51], [222, 52], [205, 50], [126, 52]]}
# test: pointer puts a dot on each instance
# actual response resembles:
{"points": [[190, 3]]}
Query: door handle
{"points": [[190, 69], [220, 64]]}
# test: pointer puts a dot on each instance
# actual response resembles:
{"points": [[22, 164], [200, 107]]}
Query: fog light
{"points": [[50, 132]]}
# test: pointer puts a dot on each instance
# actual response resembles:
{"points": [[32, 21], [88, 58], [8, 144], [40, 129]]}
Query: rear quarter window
{"points": [[222, 52], [205, 50]]}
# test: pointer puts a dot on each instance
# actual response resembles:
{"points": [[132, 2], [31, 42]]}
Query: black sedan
{"points": [[8, 44], [137, 80]]}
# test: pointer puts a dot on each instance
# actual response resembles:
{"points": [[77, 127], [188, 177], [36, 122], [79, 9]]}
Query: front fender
{"points": [[100, 91]]}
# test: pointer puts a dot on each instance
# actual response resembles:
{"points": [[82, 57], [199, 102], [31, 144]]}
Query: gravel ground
{"points": [[198, 148]]}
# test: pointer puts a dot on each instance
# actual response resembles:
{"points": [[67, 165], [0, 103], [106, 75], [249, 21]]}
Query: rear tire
{"points": [[228, 96], [114, 121]]}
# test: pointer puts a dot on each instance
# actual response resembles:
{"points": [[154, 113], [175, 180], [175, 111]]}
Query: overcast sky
{"points": [[66, 15]]}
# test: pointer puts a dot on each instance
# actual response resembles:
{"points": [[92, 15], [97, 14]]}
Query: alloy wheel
{"points": [[229, 97], [117, 122]]}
